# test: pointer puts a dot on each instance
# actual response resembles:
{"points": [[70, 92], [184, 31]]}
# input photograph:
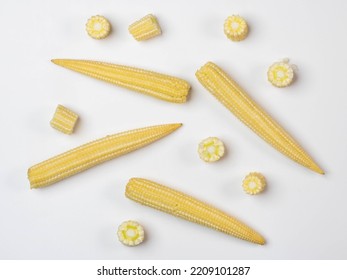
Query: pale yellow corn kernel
{"points": [[186, 207], [64, 120], [131, 233], [98, 27], [211, 149], [254, 183], [234, 98], [88, 155], [145, 28], [161, 86], [235, 28], [281, 74]]}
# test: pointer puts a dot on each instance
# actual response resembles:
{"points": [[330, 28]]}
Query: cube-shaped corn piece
{"points": [[64, 120], [145, 28]]}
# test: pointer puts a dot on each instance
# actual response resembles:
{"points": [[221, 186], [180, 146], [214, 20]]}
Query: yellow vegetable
{"points": [[186, 207], [98, 27], [162, 86], [64, 120], [281, 74], [131, 233], [254, 183], [88, 155], [211, 149], [235, 28], [145, 28], [230, 94]]}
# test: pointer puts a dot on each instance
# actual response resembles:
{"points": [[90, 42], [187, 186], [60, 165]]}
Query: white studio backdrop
{"points": [[301, 214]]}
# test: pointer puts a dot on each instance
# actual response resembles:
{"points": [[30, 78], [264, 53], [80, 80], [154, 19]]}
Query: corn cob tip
{"points": [[58, 61], [261, 240]]}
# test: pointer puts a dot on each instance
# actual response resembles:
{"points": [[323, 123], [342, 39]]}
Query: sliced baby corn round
{"points": [[131, 233], [145, 28], [211, 149], [254, 183], [93, 153], [98, 27], [281, 74], [189, 208], [64, 120], [235, 28]]}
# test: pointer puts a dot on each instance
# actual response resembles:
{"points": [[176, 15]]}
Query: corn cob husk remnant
{"points": [[88, 155], [233, 97], [186, 207], [158, 85]]}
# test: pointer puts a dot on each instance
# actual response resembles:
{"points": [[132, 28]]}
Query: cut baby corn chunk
{"points": [[281, 74], [186, 207], [254, 183], [64, 120], [131, 233], [211, 149], [145, 28], [98, 27], [230, 94], [88, 155], [162, 86], [235, 28]]}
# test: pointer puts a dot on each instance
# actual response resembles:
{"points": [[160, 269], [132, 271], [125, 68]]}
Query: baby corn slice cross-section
{"points": [[88, 155], [254, 183], [186, 207], [98, 27], [235, 28], [145, 28], [158, 85], [230, 94]]}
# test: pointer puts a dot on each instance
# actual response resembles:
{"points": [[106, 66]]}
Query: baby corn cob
{"points": [[145, 28], [162, 86], [230, 94], [186, 207], [88, 155]]}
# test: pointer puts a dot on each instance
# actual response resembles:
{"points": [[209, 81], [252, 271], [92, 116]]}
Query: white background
{"points": [[301, 214]]}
